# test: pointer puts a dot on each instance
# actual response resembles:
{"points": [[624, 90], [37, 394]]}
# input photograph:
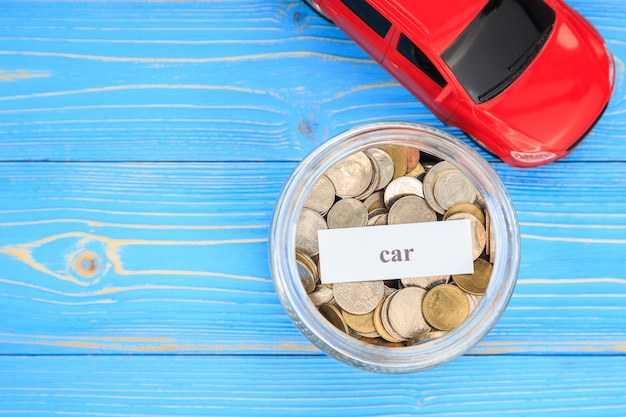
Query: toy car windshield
{"points": [[498, 45]]}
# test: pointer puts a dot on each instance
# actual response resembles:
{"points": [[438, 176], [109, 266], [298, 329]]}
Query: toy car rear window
{"points": [[498, 45], [369, 15]]}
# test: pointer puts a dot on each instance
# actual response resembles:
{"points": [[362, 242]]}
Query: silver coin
{"points": [[377, 212], [352, 175], [405, 312], [385, 166], [309, 223], [370, 334], [384, 318], [490, 238], [425, 283], [307, 278], [422, 337], [372, 220], [473, 301], [358, 297], [372, 187], [348, 212], [375, 201], [401, 187], [452, 187], [382, 220], [477, 230], [429, 180], [322, 196], [322, 295], [411, 209]]}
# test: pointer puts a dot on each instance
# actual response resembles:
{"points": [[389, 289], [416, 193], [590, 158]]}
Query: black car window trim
{"points": [[418, 58], [369, 15]]}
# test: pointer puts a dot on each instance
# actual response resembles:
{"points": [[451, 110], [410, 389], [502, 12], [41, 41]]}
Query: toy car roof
{"points": [[439, 26]]}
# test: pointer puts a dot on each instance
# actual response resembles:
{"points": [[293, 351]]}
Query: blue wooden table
{"points": [[142, 148]]}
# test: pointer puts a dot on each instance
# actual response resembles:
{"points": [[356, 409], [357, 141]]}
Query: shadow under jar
{"points": [[399, 341]]}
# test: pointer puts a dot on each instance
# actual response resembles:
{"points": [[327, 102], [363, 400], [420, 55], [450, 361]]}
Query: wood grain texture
{"points": [[180, 264], [153, 386], [213, 81], [142, 148]]}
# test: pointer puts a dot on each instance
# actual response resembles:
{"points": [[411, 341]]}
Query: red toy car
{"points": [[527, 79]]}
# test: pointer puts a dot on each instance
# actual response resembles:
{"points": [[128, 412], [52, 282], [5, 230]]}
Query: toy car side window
{"points": [[369, 15], [411, 52]]}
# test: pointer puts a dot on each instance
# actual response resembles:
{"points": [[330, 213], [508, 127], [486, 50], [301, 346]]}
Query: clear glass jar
{"points": [[322, 333]]}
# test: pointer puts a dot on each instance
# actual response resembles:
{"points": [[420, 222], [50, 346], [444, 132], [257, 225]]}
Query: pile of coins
{"points": [[394, 185]]}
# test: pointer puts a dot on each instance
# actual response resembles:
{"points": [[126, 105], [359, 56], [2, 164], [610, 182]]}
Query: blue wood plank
{"points": [[244, 80], [182, 264], [308, 386]]}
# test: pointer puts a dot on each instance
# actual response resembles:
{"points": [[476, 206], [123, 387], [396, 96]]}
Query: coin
{"points": [[490, 238], [358, 297], [451, 187], [401, 187], [372, 220], [473, 300], [445, 307], [411, 209], [384, 163], [412, 156], [379, 342], [361, 323], [322, 295], [477, 230], [375, 201], [466, 208], [382, 220], [348, 212], [322, 196], [373, 181], [417, 172], [423, 337], [477, 282], [306, 276], [425, 282], [333, 315], [399, 160], [352, 175], [377, 212], [405, 312], [429, 180], [378, 324], [384, 318], [309, 223]]}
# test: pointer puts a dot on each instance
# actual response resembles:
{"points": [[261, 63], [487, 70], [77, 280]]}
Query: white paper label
{"points": [[396, 251]]}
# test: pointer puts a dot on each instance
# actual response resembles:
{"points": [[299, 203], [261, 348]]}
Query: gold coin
{"points": [[333, 315], [361, 323], [445, 307], [412, 156], [398, 158], [379, 342], [378, 324], [417, 171], [469, 208], [477, 282]]}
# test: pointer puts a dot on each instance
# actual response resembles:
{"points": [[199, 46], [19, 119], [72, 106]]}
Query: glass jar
{"points": [[433, 352]]}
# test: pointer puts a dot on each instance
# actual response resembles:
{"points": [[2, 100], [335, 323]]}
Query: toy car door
{"points": [[418, 73]]}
